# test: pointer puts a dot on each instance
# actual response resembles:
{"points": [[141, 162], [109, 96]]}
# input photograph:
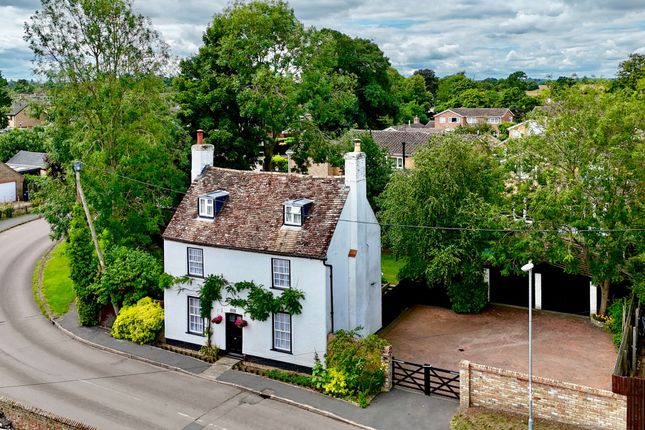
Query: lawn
{"points": [[57, 286], [390, 267], [486, 419]]}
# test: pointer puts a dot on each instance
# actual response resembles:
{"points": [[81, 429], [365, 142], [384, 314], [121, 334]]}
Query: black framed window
{"points": [[195, 258], [280, 273], [195, 321], [282, 332]]}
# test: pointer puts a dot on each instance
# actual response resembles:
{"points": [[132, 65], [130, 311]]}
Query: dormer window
{"points": [[295, 211], [211, 204]]}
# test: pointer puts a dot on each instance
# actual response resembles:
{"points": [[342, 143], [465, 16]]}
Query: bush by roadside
{"points": [[139, 323]]}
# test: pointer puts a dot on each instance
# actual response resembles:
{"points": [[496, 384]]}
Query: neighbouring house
{"points": [[29, 163], [19, 116], [525, 128], [450, 119], [279, 230], [415, 125], [10, 184], [401, 145]]}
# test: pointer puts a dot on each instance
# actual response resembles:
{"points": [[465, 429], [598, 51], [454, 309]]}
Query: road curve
{"points": [[42, 367]]}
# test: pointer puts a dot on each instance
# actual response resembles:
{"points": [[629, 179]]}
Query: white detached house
{"points": [[318, 235]]}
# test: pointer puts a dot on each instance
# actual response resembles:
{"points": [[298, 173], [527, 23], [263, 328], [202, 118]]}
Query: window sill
{"points": [[195, 276], [282, 351], [279, 288], [196, 334]]}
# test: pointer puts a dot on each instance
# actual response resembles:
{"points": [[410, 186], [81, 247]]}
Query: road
{"points": [[42, 367]]}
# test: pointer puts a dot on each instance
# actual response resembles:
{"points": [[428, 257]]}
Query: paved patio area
{"points": [[565, 347]]}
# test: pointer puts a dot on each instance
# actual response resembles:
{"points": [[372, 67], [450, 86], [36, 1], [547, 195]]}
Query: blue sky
{"points": [[485, 38]]}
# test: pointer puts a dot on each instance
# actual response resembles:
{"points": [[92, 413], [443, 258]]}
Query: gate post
{"points": [[426, 379]]}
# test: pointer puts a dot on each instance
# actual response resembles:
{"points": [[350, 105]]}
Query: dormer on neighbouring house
{"points": [[296, 211], [209, 205]]}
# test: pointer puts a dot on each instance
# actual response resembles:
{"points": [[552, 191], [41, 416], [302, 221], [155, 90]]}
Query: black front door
{"points": [[233, 334]]}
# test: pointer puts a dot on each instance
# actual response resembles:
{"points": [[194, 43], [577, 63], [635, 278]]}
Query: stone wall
{"points": [[28, 418], [506, 390]]}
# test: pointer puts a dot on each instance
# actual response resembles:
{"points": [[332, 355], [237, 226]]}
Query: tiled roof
{"points": [[28, 159], [16, 108], [392, 140], [252, 217], [478, 111]]}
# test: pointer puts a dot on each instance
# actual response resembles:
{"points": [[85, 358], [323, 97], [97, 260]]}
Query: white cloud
{"points": [[482, 37]]}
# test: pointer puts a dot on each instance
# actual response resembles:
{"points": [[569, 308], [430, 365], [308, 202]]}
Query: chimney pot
{"points": [[200, 136], [357, 145], [417, 120]]}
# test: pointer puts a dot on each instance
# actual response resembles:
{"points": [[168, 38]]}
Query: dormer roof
{"points": [[252, 219]]}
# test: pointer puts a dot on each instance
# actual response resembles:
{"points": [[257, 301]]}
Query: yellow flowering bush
{"points": [[139, 323], [337, 383]]}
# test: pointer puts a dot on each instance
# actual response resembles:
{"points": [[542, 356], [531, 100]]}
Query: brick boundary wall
{"points": [[505, 390], [28, 418]]}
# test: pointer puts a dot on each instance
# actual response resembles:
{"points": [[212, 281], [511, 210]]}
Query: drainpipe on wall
{"points": [[331, 292]]}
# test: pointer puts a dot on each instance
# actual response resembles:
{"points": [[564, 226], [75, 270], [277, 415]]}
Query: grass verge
{"points": [[58, 288], [486, 419], [390, 267], [34, 286]]}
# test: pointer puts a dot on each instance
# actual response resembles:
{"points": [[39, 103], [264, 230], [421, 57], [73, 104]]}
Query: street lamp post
{"points": [[529, 268]]}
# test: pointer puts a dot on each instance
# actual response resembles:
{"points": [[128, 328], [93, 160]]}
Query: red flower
{"points": [[217, 319], [241, 323]]}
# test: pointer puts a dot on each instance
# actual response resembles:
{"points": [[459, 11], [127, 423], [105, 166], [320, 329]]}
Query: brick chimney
{"points": [[202, 156]]}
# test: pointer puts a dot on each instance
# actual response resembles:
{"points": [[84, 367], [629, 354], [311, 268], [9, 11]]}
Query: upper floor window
{"points": [[454, 119], [211, 204], [281, 271], [442, 119], [493, 120], [295, 211], [195, 258]]}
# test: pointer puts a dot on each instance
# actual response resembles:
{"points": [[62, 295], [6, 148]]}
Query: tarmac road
{"points": [[42, 367]]}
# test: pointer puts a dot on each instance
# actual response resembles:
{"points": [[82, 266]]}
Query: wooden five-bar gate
{"points": [[426, 378]]}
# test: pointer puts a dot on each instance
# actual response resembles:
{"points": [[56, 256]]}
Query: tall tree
{"points": [[582, 186], [103, 62], [631, 73], [5, 102], [363, 59], [411, 95], [429, 78], [432, 216]]}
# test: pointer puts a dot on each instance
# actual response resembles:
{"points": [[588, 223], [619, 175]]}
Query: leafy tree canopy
{"points": [[631, 73], [19, 139], [5, 102], [108, 110], [455, 183]]}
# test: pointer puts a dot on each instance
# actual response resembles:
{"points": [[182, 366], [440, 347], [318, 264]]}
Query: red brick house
{"points": [[450, 119], [10, 184]]}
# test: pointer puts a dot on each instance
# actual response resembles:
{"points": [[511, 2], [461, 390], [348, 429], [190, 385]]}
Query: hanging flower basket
{"points": [[241, 323], [217, 319]]}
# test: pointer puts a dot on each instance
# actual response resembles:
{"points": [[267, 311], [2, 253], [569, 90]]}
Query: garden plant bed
{"points": [[188, 352], [486, 419], [300, 379]]}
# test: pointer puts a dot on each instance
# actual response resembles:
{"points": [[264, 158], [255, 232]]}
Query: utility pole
{"points": [[79, 190]]}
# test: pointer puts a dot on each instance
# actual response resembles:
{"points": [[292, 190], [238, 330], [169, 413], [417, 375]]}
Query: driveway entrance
{"points": [[565, 347]]}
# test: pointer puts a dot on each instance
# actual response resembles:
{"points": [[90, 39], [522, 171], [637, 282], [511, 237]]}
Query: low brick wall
{"points": [[506, 390], [28, 418]]}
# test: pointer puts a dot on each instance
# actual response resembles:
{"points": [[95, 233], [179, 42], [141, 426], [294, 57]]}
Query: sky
{"points": [[484, 38]]}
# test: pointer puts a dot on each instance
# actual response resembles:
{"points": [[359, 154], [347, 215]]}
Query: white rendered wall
{"points": [[309, 329]]}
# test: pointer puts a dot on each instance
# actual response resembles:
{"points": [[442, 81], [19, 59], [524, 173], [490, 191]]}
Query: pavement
{"points": [[395, 409], [6, 224]]}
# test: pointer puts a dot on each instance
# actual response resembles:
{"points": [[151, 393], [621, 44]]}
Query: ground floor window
{"points": [[195, 321], [282, 332]]}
